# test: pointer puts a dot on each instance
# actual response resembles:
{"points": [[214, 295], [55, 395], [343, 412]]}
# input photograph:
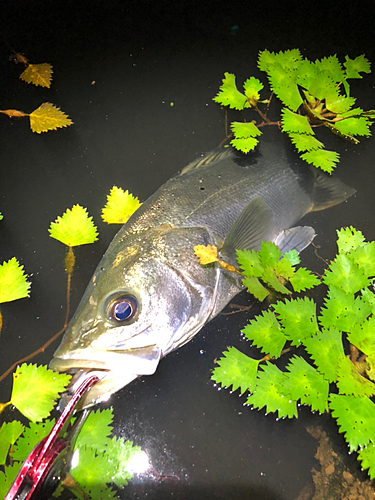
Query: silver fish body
{"points": [[149, 295]]}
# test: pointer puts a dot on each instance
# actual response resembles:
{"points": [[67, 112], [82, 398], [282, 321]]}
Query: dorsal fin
{"points": [[213, 157], [329, 191]]}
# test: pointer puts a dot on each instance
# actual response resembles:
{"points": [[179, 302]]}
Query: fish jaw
{"points": [[115, 370]]}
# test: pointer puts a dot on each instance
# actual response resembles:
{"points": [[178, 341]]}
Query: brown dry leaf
{"points": [[38, 74], [13, 112], [20, 58], [48, 117]]}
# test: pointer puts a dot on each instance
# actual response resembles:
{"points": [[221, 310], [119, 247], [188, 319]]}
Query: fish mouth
{"points": [[114, 373]]}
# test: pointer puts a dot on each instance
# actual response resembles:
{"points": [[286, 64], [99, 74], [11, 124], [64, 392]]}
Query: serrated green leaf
{"points": [[120, 206], [350, 382], [237, 370], [243, 130], [362, 336], [244, 145], [74, 227], [35, 389], [13, 281], [123, 455], [269, 277], [303, 280], [349, 238], [305, 383], [352, 112], [321, 158], [339, 104], [283, 85], [269, 254], [345, 274], [355, 418], [249, 262], [364, 257], [322, 86], [369, 298], [306, 73], [289, 59], [284, 268], [269, 393], [326, 349], [298, 317], [9, 433], [295, 123], [354, 126], [343, 311], [7, 477], [305, 142], [32, 435], [252, 86], [96, 429], [266, 333], [229, 95], [255, 287], [367, 458], [355, 66], [293, 257], [333, 66]]}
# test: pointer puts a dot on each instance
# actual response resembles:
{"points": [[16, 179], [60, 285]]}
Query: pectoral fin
{"points": [[253, 226], [295, 238]]}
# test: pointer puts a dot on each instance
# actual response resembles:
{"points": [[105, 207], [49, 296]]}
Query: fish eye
{"points": [[123, 308]]}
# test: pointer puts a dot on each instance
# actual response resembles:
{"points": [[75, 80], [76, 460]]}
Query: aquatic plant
{"points": [[103, 458], [314, 94], [120, 206], [334, 368]]}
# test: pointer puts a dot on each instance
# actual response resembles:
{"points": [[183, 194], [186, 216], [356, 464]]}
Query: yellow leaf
{"points": [[13, 281], [120, 206], [48, 117], [38, 74], [206, 254], [74, 228]]}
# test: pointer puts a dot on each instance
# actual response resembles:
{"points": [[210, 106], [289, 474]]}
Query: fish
{"points": [[149, 295]]}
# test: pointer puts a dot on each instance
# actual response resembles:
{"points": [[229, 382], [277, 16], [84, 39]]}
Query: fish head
{"points": [[148, 296]]}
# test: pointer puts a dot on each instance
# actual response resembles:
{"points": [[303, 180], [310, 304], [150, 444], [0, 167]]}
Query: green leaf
{"points": [[332, 66], [345, 274], [74, 227], [367, 457], [266, 59], [298, 317], [252, 87], [269, 393], [266, 333], [355, 66], [303, 280], [343, 311], [355, 418], [96, 429], [269, 276], [7, 477], [249, 262], [31, 437], [283, 84], [255, 287], [340, 103], [35, 389], [353, 112], [289, 59], [322, 86], [269, 254], [284, 269], [124, 455], [362, 336], [305, 383], [364, 256], [349, 238], [9, 433], [292, 122], [354, 126], [307, 73], [13, 283], [326, 160], [305, 142], [293, 257], [349, 381], [237, 370], [245, 130], [326, 349], [244, 145], [229, 95], [120, 206]]}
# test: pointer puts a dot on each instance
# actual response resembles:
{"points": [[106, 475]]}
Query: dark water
{"points": [[117, 68]]}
